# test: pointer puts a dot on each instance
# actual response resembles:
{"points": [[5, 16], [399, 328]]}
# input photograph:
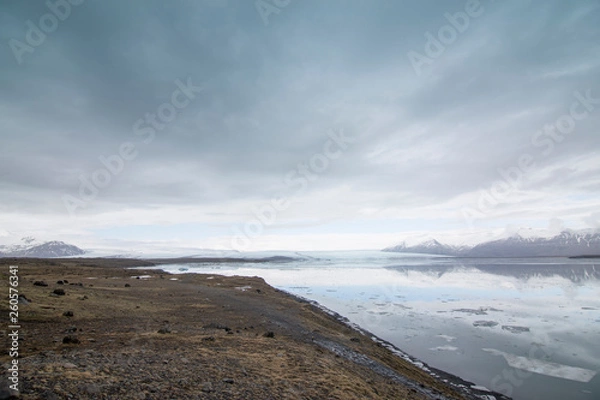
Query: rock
{"points": [[166, 329], [59, 292], [213, 325], [40, 283], [60, 283], [209, 339], [207, 387], [92, 388], [49, 395], [269, 334], [23, 299], [70, 340], [69, 366], [127, 285], [68, 313], [228, 380], [355, 339]]}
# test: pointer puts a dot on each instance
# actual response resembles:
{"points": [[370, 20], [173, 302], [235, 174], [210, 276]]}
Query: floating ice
{"points": [[545, 367], [447, 338], [515, 329], [444, 348], [487, 324], [481, 311]]}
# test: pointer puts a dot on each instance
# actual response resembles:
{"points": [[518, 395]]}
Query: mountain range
{"points": [[29, 247], [565, 244]]}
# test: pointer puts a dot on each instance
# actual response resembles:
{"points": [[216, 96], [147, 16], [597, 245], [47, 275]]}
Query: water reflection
{"points": [[574, 271]]}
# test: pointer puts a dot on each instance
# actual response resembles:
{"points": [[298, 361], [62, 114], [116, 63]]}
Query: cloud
{"points": [[426, 146]]}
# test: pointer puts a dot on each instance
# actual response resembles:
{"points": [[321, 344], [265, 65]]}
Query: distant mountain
{"points": [[565, 244], [431, 246], [44, 250]]}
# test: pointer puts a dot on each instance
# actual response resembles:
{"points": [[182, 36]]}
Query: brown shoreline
{"points": [[197, 337]]}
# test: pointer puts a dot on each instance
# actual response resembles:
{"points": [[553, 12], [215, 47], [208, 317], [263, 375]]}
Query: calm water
{"points": [[528, 328]]}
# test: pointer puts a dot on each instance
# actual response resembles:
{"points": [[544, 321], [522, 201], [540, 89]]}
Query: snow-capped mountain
{"points": [[29, 247], [430, 246], [565, 244]]}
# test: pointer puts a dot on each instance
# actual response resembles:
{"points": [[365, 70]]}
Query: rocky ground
{"points": [[92, 329]]}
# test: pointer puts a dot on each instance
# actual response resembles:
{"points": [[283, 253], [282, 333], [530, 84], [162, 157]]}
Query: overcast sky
{"points": [[297, 124]]}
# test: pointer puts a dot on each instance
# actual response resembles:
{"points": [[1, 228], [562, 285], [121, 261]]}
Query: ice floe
{"points": [[515, 329], [444, 348], [545, 367], [487, 324]]}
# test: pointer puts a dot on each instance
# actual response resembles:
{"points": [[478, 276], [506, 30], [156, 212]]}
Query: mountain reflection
{"points": [[576, 272]]}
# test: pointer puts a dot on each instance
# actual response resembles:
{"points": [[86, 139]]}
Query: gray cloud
{"points": [[271, 93]]}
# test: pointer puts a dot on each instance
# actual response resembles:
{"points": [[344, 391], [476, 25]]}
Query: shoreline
{"points": [[300, 326], [460, 384]]}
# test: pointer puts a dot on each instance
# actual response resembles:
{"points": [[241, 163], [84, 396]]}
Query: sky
{"points": [[298, 125]]}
